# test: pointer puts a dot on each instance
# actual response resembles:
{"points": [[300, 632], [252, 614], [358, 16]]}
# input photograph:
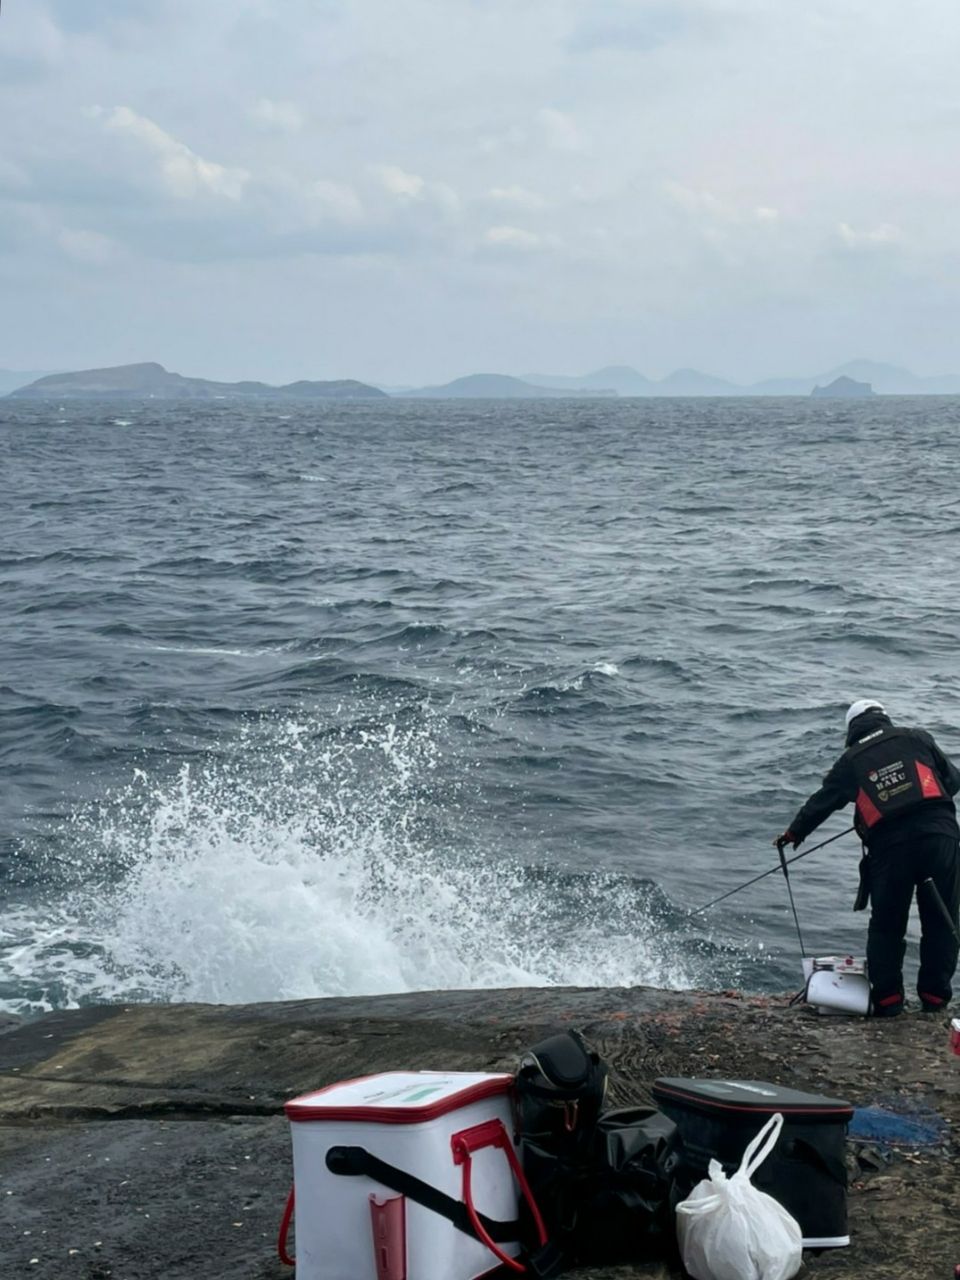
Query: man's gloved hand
{"points": [[788, 838]]}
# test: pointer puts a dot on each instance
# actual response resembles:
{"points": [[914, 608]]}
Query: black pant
{"points": [[894, 874]]}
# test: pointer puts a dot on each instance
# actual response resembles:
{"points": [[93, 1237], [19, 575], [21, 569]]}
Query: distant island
{"points": [[843, 389], [152, 381], [856, 379], [499, 386], [884, 379]]}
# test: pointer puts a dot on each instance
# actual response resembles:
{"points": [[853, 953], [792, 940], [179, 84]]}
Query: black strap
{"points": [[357, 1162]]}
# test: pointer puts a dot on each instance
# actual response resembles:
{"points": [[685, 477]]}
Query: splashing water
{"points": [[325, 863]]}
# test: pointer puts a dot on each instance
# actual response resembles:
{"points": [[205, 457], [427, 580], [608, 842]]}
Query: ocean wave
{"points": [[330, 880], [429, 636], [658, 666], [700, 509], [458, 486]]}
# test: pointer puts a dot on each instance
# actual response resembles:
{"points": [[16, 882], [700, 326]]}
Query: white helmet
{"points": [[860, 706]]}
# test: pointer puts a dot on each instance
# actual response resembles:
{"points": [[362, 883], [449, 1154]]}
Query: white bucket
{"points": [[451, 1130], [837, 984]]}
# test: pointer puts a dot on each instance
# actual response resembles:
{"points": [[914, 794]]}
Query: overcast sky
{"points": [[408, 190]]}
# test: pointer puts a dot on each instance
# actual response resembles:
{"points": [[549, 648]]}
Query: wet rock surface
{"points": [[142, 1142]]}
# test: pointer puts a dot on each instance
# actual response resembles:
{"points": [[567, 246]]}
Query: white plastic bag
{"points": [[728, 1230]]}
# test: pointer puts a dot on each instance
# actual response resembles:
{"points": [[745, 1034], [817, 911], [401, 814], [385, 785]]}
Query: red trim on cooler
{"points": [[867, 810], [930, 788], [297, 1110]]}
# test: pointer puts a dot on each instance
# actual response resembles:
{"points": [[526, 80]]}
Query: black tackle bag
{"points": [[560, 1090], [627, 1213], [603, 1181]]}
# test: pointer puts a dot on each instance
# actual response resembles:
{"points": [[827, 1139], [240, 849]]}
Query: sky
{"points": [[405, 192]]}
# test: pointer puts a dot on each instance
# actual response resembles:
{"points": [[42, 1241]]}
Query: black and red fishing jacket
{"points": [[899, 780]]}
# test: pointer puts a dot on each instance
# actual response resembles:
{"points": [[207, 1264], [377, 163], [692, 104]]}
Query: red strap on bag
{"points": [[285, 1257]]}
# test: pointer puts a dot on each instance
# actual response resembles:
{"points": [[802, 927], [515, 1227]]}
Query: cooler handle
{"points": [[285, 1257], [492, 1134]]}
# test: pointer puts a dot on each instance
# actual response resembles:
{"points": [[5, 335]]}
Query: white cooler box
{"points": [[443, 1137]]}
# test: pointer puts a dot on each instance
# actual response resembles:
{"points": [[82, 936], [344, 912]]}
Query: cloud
{"points": [[89, 247], [519, 197], [634, 27], [183, 173], [509, 138], [711, 211], [100, 15], [697, 201], [514, 238], [31, 43], [410, 188], [337, 200], [563, 171], [406, 186], [879, 237], [280, 117], [560, 131], [13, 177]]}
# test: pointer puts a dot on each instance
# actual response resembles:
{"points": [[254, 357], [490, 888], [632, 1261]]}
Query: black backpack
{"points": [[561, 1086]]}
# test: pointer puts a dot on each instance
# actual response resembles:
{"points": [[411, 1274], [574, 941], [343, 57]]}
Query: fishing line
{"points": [[772, 871]]}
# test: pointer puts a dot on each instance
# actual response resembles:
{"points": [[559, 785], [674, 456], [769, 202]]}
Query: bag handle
{"points": [[492, 1134], [754, 1156], [761, 1146]]}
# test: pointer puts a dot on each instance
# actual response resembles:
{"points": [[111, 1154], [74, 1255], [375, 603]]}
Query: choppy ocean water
{"points": [[298, 701]]}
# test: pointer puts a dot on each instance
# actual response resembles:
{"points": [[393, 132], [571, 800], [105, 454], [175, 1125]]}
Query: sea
{"points": [[352, 698]]}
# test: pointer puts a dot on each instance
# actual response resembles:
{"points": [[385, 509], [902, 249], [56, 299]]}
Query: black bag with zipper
{"points": [[561, 1086], [560, 1089], [603, 1181]]}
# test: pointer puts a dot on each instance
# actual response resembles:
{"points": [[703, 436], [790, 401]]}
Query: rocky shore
{"points": [[148, 1142]]}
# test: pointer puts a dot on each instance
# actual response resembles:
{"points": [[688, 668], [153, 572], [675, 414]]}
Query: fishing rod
{"points": [[784, 863], [793, 905], [941, 906]]}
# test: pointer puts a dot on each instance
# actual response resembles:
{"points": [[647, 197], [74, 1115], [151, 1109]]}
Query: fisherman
{"points": [[901, 784]]}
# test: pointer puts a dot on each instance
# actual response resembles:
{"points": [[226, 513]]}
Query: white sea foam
{"points": [[298, 870], [209, 650]]}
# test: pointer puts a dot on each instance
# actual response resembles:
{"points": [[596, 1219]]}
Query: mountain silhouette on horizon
{"points": [[151, 380], [886, 379]]}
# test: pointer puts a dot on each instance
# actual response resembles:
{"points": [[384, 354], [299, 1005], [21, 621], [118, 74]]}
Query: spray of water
{"points": [[316, 861]]}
